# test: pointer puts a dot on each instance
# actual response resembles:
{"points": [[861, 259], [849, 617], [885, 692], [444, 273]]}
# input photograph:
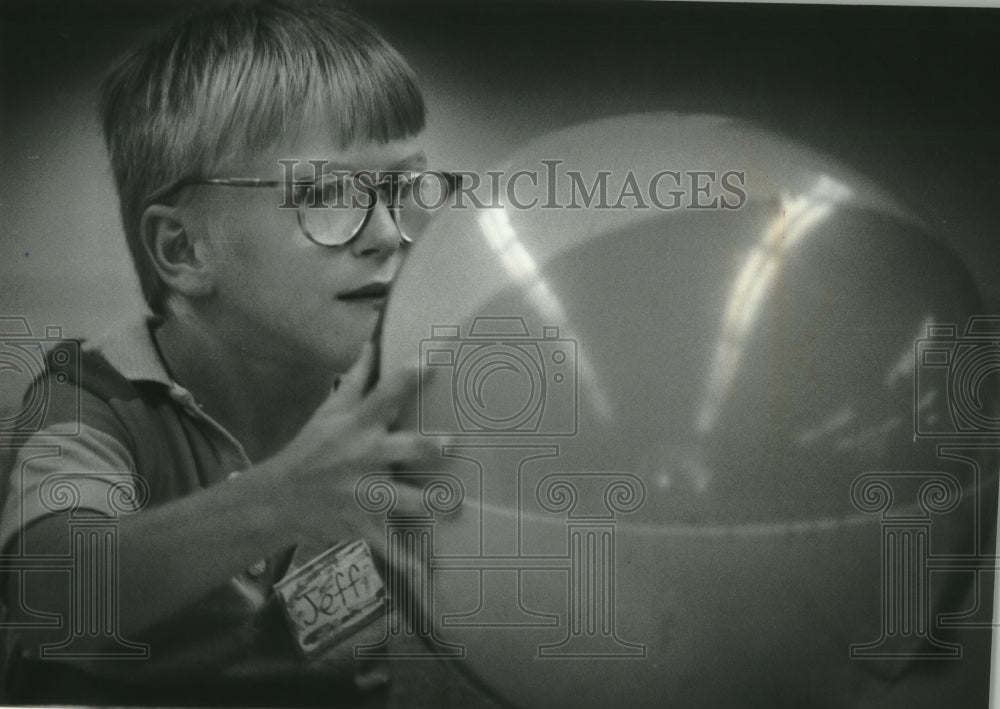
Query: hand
{"points": [[351, 435], [348, 436]]}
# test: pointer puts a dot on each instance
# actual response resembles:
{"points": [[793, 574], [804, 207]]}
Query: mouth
{"points": [[375, 292]]}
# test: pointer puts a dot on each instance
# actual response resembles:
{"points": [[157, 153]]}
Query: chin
{"points": [[337, 360]]}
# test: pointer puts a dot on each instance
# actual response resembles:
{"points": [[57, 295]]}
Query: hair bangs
{"points": [[334, 72], [237, 80]]}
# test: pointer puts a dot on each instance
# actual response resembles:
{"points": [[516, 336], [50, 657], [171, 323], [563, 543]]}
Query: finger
{"points": [[375, 368], [433, 446], [404, 447], [391, 397], [352, 385], [430, 455], [411, 399]]}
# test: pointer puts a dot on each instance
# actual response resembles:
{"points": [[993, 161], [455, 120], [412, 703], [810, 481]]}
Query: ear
{"points": [[181, 255]]}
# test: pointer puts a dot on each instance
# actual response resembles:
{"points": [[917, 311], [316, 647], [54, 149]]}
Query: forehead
{"points": [[317, 145]]}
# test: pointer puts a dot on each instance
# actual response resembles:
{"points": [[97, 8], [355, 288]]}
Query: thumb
{"points": [[352, 385]]}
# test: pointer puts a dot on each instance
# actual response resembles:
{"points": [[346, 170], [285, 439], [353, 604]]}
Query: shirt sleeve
{"points": [[65, 467]]}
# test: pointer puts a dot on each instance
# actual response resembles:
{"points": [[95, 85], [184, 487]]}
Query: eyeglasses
{"points": [[335, 208]]}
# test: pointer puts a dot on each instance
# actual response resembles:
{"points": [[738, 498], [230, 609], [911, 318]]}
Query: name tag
{"points": [[331, 596]]}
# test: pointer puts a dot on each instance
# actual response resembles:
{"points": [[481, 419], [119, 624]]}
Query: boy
{"points": [[234, 410]]}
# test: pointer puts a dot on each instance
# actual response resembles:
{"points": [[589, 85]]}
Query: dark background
{"points": [[906, 95]]}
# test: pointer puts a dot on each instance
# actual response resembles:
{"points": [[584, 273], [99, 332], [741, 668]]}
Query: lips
{"points": [[371, 291]]}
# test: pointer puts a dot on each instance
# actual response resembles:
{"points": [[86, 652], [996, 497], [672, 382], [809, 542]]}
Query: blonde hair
{"points": [[234, 81]]}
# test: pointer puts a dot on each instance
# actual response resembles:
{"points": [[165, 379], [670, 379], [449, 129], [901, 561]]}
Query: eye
{"points": [[301, 192], [429, 190], [405, 187], [333, 190]]}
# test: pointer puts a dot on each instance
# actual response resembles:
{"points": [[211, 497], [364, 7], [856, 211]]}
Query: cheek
{"points": [[265, 258], [256, 234], [225, 237]]}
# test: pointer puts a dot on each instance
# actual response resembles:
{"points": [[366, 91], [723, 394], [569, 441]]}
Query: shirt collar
{"points": [[132, 351]]}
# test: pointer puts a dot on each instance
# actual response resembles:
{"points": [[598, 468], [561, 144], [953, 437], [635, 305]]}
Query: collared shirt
{"points": [[93, 419], [116, 429]]}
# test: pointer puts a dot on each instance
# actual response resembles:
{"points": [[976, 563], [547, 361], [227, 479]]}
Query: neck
{"points": [[261, 399]]}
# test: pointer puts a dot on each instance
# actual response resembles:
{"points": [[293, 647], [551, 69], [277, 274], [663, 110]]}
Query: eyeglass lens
{"points": [[335, 209]]}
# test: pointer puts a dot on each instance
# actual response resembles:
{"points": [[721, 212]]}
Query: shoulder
{"points": [[84, 401], [77, 388], [105, 383], [70, 437]]}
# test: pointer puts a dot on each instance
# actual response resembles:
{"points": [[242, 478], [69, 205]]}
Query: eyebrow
{"points": [[414, 161]]}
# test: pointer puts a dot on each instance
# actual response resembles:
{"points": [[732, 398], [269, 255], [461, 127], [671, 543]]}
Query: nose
{"points": [[380, 236]]}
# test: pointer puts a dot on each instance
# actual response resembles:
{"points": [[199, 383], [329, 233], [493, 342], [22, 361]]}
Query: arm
{"points": [[174, 553]]}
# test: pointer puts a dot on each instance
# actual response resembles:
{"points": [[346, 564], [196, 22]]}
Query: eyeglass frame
{"points": [[391, 180]]}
